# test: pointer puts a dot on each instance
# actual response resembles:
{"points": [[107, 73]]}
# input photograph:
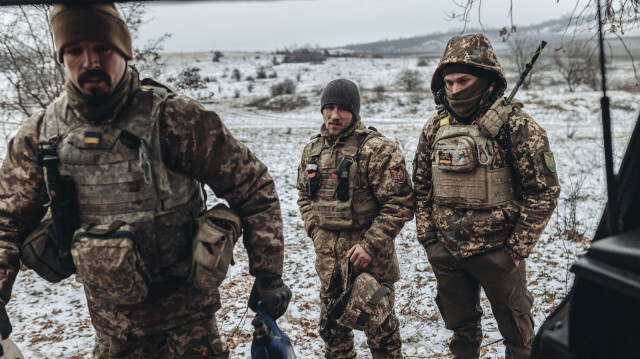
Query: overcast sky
{"points": [[271, 25]]}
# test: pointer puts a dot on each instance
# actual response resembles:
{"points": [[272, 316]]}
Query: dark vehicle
{"points": [[600, 317]]}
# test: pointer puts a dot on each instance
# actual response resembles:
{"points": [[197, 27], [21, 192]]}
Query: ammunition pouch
{"points": [[458, 154], [494, 118], [109, 264], [218, 231], [40, 252], [365, 304], [315, 179], [342, 174]]}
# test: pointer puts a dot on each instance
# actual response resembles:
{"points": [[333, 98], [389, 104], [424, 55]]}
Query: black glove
{"points": [[270, 289], [5, 324]]}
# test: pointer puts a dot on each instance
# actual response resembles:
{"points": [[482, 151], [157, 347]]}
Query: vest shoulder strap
{"points": [[53, 127], [317, 144], [145, 110], [153, 84], [361, 137]]}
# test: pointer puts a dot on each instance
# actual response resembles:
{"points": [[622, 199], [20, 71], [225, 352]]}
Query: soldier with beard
{"points": [[138, 154], [354, 197], [485, 187]]}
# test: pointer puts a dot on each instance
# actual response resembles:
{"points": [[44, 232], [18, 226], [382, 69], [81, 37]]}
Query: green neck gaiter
{"points": [[97, 112], [465, 102]]}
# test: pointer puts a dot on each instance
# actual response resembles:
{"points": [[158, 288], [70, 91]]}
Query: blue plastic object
{"points": [[269, 342]]}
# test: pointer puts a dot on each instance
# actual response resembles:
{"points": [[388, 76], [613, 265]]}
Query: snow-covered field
{"points": [[51, 320]]}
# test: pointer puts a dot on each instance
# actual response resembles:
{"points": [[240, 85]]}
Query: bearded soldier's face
{"points": [[336, 119], [95, 68]]}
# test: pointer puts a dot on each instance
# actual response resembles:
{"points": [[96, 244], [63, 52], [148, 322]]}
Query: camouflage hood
{"points": [[473, 50]]}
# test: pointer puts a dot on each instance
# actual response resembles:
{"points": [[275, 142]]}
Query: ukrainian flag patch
{"points": [[91, 138]]}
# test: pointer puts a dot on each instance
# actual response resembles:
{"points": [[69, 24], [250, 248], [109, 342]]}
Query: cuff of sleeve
{"points": [[427, 237], [309, 227], [513, 254], [366, 245]]}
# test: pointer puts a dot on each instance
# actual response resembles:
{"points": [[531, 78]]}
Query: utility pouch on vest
{"points": [[218, 231], [458, 154], [109, 264], [342, 174], [462, 172], [315, 179], [40, 252], [365, 304]]}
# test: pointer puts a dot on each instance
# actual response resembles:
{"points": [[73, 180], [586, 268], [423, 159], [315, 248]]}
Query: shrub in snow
{"points": [[286, 87]]}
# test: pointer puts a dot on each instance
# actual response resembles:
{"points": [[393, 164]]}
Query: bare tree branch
{"points": [[28, 59]]}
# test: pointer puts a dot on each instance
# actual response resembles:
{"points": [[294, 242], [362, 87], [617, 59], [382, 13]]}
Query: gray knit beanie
{"points": [[343, 93]]}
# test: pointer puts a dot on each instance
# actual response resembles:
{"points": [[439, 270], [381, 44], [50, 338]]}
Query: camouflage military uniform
{"points": [[473, 247], [383, 179], [173, 307]]}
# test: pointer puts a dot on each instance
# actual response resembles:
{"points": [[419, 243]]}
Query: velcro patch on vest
{"points": [[91, 138], [398, 174], [550, 161], [444, 158], [444, 121]]}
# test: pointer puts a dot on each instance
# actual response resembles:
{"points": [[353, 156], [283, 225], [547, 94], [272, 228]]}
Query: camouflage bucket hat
{"points": [[364, 305]]}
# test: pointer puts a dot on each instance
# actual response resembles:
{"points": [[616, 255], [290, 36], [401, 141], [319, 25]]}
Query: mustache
{"points": [[94, 74]]}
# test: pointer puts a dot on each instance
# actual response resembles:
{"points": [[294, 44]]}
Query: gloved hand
{"points": [[270, 289], [5, 324]]}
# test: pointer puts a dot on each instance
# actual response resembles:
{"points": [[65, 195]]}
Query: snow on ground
{"points": [[51, 320]]}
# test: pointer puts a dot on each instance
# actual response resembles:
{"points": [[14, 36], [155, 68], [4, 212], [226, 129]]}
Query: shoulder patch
{"points": [[550, 161], [399, 174], [444, 121]]}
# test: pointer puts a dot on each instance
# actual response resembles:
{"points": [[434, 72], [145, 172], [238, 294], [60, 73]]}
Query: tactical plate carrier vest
{"points": [[341, 201], [462, 169], [119, 175]]}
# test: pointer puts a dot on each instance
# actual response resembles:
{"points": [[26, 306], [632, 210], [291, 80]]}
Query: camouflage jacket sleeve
{"points": [[383, 165], [197, 143], [534, 167], [304, 203], [425, 228], [23, 193]]}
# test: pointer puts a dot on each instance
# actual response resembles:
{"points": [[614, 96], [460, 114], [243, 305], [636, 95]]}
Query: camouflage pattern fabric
{"points": [[458, 299], [474, 50], [384, 341], [194, 340], [392, 190], [515, 225], [473, 248], [364, 288], [377, 160], [210, 155]]}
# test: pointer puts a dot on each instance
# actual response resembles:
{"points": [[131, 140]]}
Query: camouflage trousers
{"points": [[458, 299], [196, 340], [384, 341]]}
